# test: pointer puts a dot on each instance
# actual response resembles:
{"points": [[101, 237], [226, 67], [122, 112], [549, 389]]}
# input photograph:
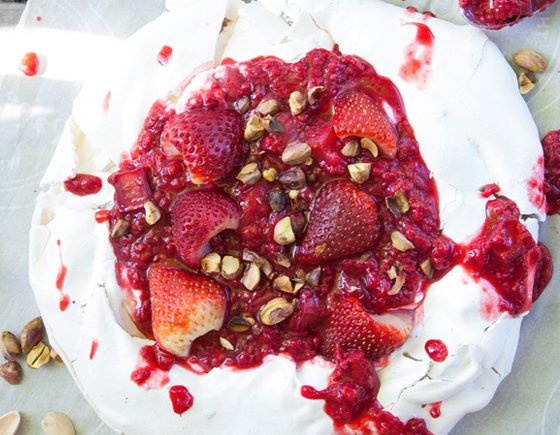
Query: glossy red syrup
{"points": [[436, 350], [506, 256], [83, 184], [181, 399], [489, 189], [60, 277], [153, 367], [551, 147], [102, 216], [535, 185], [29, 64], [93, 349], [39, 18], [106, 102], [164, 55], [435, 410], [418, 57]]}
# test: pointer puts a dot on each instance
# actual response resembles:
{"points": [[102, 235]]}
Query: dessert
{"points": [[344, 151]]}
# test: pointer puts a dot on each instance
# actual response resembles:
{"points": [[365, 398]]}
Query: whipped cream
{"points": [[472, 126]]}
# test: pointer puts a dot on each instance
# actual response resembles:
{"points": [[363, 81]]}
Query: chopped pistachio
{"points": [[284, 284], [351, 148], [400, 242], [314, 93], [268, 107], [226, 344], [296, 153], [254, 129], [359, 172], [211, 263], [371, 146], [241, 323], [242, 105], [230, 266], [293, 178], [427, 268], [251, 277], [283, 231], [297, 102], [249, 174], [270, 174], [275, 311], [152, 212], [120, 229]]}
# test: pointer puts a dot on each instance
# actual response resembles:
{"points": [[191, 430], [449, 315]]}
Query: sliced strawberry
{"points": [[210, 141], [184, 306], [358, 114], [351, 327], [343, 222], [196, 217], [132, 188]]}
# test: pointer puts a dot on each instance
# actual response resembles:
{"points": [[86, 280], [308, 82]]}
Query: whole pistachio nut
{"points": [[9, 346], [11, 372], [31, 334], [38, 356]]}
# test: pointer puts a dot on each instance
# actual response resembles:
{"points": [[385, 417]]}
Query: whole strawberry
{"points": [[196, 217], [184, 306], [210, 142], [353, 328], [358, 114], [343, 222]]}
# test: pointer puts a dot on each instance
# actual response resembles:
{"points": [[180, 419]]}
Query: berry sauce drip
{"points": [[551, 147], [180, 398], [418, 57], [93, 349], [506, 255], [102, 216], [60, 277], [29, 64], [304, 212], [535, 185], [435, 409], [493, 14], [106, 102], [164, 55], [83, 184], [488, 190], [436, 350]]}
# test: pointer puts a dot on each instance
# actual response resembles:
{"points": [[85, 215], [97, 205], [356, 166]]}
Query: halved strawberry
{"points": [[184, 306], [351, 327], [343, 222], [210, 141], [196, 217], [358, 114]]}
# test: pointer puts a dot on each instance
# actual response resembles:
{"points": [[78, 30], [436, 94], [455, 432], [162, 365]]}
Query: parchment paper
{"points": [[70, 35]]}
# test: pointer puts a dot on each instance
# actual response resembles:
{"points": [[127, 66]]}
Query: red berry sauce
{"points": [[181, 399], [29, 64], [83, 184], [93, 349], [60, 277], [154, 172], [417, 67], [164, 55], [435, 409], [488, 190], [436, 350], [506, 255]]}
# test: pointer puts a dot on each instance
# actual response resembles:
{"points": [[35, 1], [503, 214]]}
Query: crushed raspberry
{"points": [[551, 147], [83, 184]]}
